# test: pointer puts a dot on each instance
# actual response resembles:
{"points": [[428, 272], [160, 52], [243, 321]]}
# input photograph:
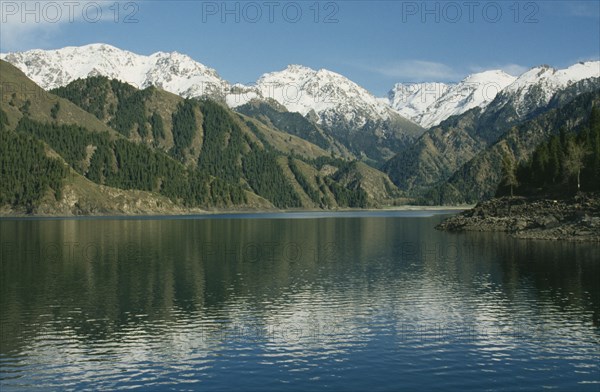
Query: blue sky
{"points": [[375, 43]]}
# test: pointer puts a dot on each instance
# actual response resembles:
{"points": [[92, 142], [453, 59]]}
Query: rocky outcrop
{"points": [[574, 219]]}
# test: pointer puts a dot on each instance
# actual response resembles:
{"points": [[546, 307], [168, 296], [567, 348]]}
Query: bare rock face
{"points": [[574, 219], [93, 199]]}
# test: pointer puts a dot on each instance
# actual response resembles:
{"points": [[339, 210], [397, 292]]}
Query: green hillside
{"points": [[459, 161], [181, 154], [479, 178], [563, 165]]}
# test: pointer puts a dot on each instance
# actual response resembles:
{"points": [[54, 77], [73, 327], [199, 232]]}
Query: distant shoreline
{"points": [[233, 212]]}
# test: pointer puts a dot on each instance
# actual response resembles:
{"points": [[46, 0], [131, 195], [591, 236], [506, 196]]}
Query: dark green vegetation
{"points": [[184, 128], [351, 194], [479, 178], [195, 153], [188, 153], [267, 179], [306, 186], [26, 183], [560, 166], [119, 163], [460, 161], [120, 104]]}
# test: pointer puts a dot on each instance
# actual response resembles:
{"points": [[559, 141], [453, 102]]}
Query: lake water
{"points": [[275, 302]]}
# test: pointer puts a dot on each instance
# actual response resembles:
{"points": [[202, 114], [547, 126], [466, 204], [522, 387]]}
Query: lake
{"points": [[297, 301]]}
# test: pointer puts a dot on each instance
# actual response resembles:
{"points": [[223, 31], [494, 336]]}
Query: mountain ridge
{"points": [[174, 155], [451, 163], [299, 88], [363, 123], [430, 103]]}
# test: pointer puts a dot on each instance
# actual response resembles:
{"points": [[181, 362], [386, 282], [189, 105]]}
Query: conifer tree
{"points": [[509, 172]]}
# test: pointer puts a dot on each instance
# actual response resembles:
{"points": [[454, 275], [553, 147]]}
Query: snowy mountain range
{"points": [[324, 96], [173, 72], [299, 89], [322, 93], [536, 87], [428, 104]]}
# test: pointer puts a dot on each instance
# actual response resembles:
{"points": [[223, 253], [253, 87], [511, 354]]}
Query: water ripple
{"points": [[371, 315]]}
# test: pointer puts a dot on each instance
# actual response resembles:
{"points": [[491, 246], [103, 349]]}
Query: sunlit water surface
{"points": [[356, 301]]}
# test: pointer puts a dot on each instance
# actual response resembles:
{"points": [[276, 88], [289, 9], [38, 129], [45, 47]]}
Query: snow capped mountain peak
{"points": [[581, 70], [537, 86], [533, 75], [174, 72], [96, 46], [325, 93], [489, 76], [298, 68], [413, 99], [325, 73], [428, 104], [556, 78]]}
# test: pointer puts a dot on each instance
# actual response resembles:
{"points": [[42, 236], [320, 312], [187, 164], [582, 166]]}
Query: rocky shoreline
{"points": [[573, 219]]}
